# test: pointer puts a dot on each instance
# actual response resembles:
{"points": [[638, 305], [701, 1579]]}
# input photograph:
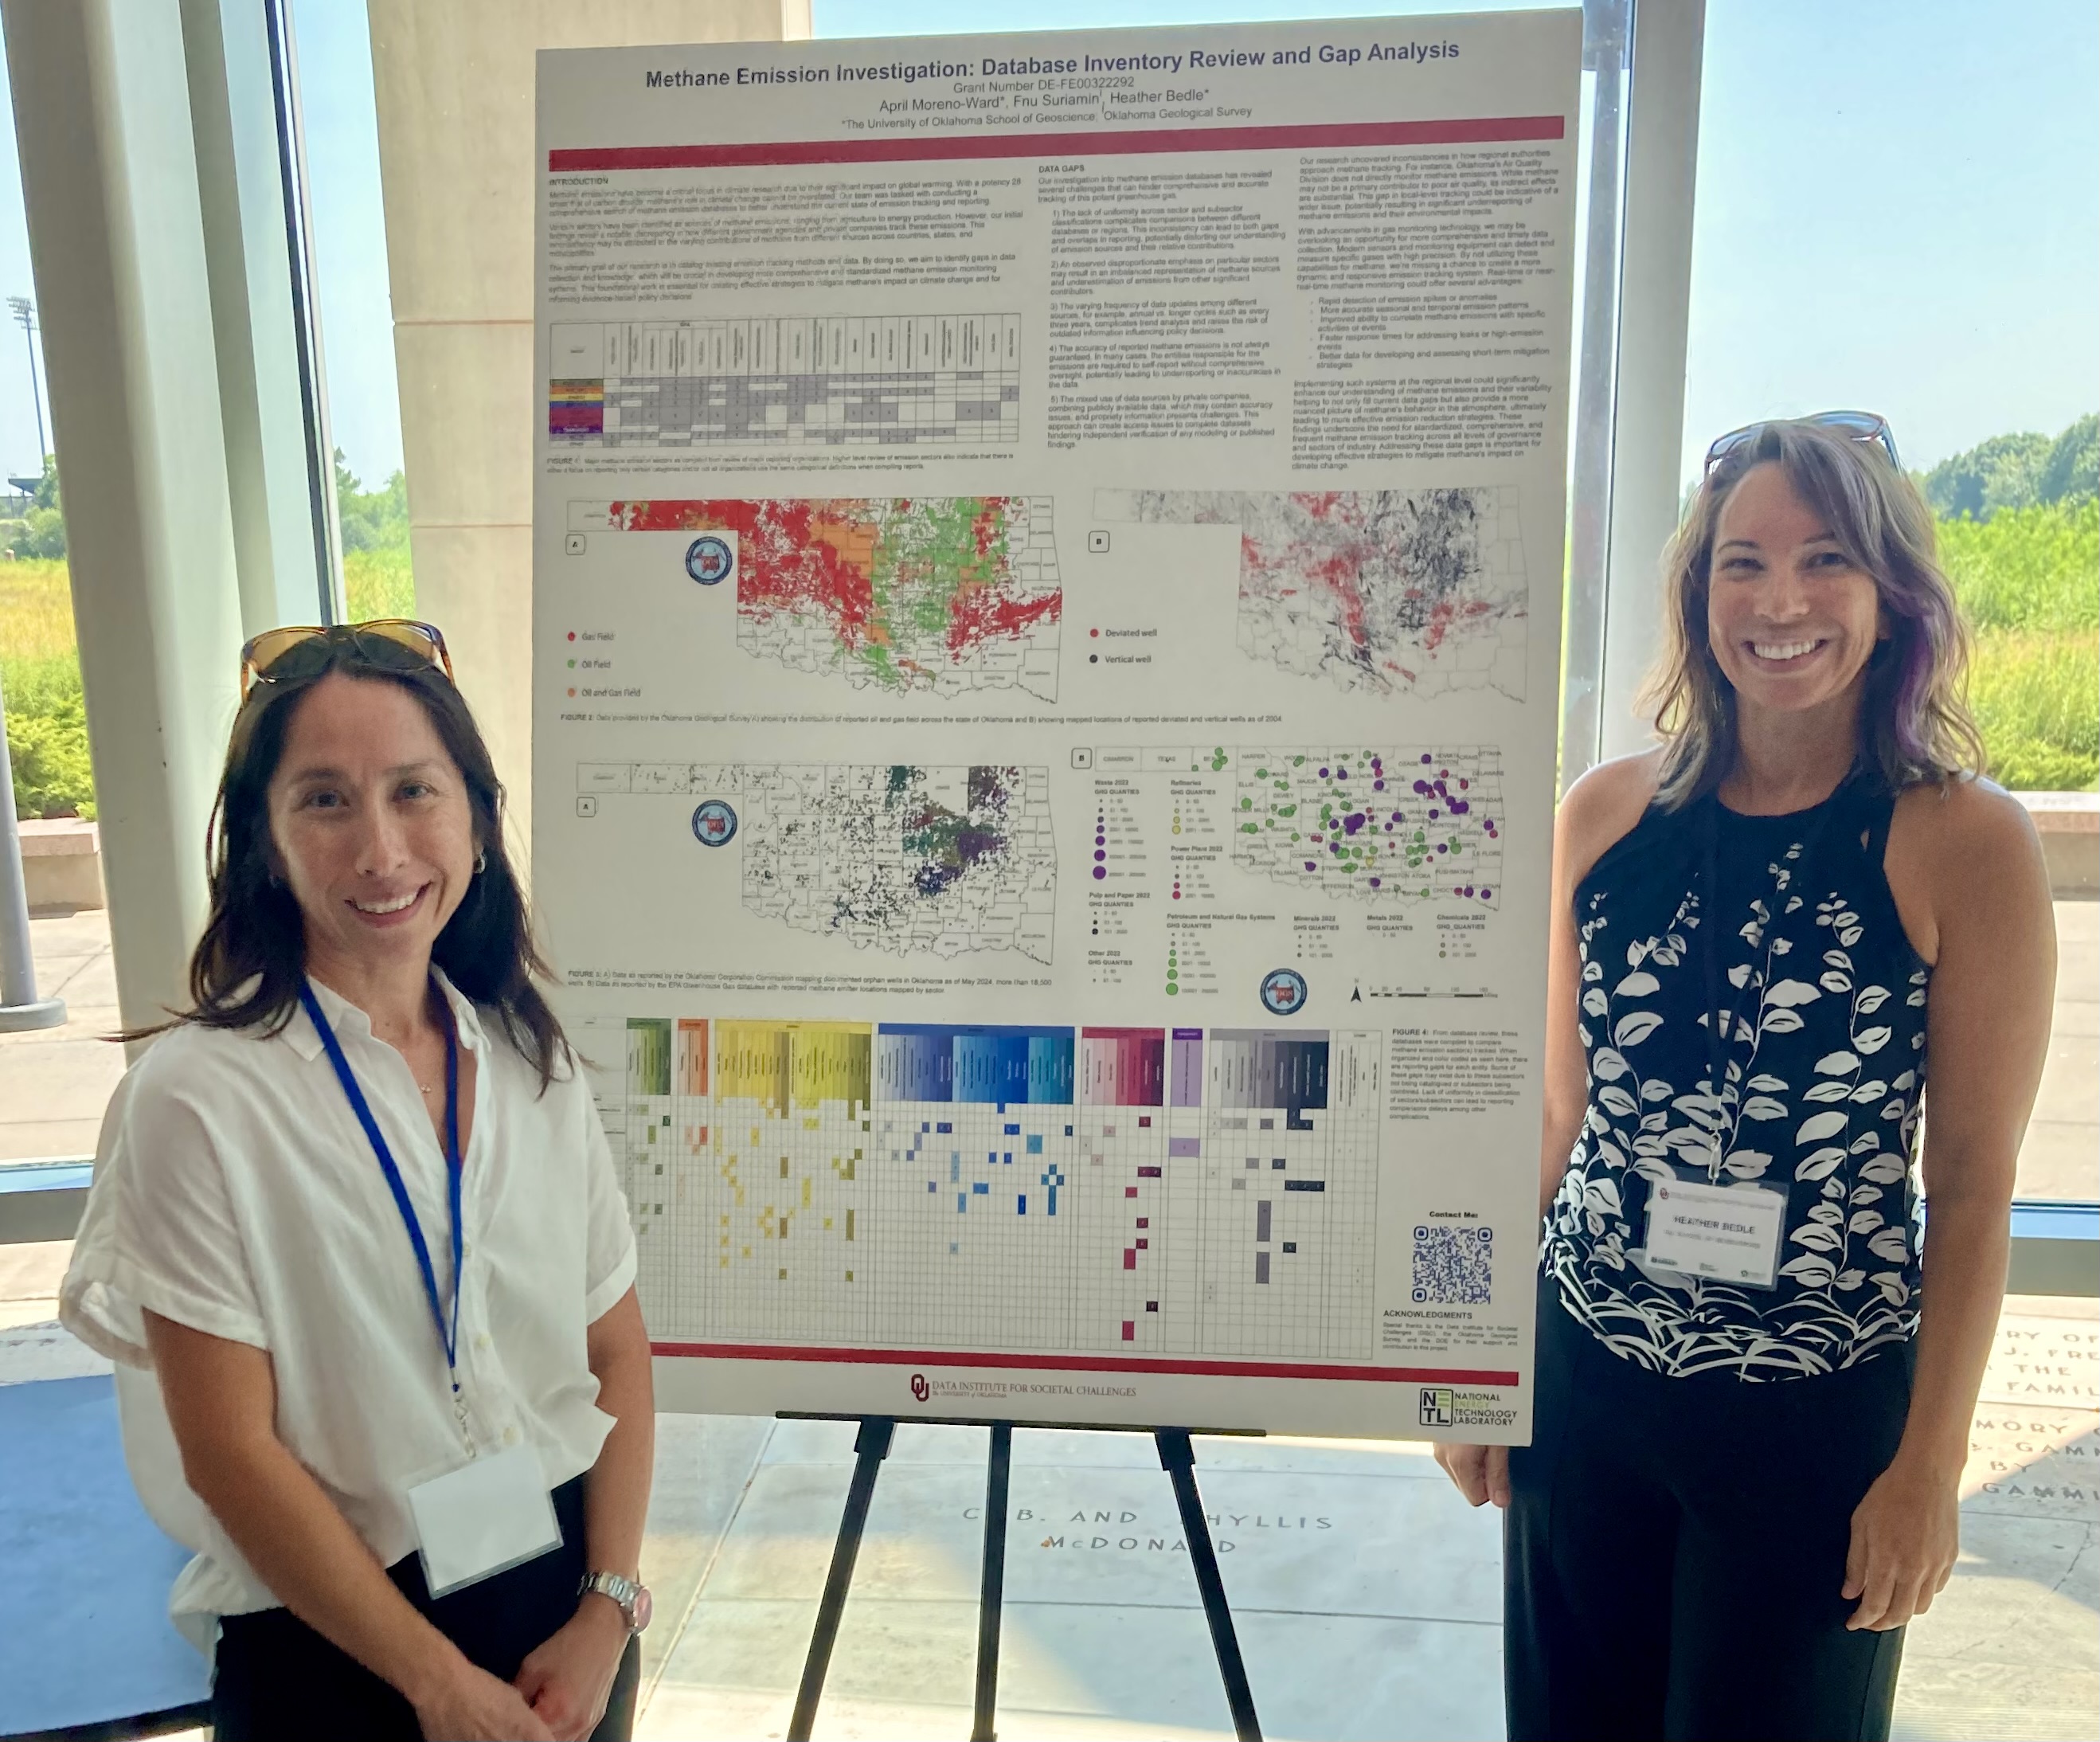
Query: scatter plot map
{"points": [[1417, 590], [1364, 824], [946, 594], [938, 860], [1143, 1191], [1403, 825]]}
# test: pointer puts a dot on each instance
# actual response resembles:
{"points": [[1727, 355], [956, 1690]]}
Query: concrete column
{"points": [[109, 181], [456, 87]]}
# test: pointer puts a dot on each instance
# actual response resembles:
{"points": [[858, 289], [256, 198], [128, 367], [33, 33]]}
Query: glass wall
{"points": [[1882, 224], [54, 1082], [1885, 223], [39, 668], [355, 312]]}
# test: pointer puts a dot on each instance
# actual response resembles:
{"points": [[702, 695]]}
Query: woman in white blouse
{"points": [[355, 1212]]}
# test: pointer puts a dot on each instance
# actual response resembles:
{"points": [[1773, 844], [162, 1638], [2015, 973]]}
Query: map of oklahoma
{"points": [[946, 594], [899, 857], [1420, 590]]}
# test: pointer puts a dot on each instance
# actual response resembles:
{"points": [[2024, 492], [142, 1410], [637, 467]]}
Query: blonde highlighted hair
{"points": [[1914, 721]]}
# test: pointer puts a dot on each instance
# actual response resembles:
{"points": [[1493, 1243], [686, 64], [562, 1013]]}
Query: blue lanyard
{"points": [[448, 1328]]}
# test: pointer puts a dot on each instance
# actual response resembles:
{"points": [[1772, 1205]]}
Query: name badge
{"points": [[1730, 1233], [483, 1519]]}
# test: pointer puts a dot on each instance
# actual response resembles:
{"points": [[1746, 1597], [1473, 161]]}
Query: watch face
{"points": [[643, 1607]]}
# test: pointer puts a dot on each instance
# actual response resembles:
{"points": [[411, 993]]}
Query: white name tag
{"points": [[1731, 1233], [483, 1519]]}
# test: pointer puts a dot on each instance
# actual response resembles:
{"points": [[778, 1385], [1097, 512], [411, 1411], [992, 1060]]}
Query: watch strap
{"points": [[623, 1591]]}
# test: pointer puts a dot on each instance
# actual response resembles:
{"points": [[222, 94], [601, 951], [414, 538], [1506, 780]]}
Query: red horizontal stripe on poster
{"points": [[1085, 1364], [1329, 136]]}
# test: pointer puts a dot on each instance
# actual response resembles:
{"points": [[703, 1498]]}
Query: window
{"points": [[1925, 244], [1879, 225], [339, 124]]}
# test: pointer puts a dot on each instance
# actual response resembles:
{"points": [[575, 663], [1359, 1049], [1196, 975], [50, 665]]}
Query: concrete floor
{"points": [[1367, 1595], [54, 1084]]}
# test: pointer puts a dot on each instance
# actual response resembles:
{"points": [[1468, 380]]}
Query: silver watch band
{"points": [[623, 1591]]}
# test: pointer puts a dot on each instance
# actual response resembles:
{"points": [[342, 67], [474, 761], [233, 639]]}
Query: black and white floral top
{"points": [[1824, 1079]]}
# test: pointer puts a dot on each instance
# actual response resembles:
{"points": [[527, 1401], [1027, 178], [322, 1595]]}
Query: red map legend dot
{"points": [[572, 635]]}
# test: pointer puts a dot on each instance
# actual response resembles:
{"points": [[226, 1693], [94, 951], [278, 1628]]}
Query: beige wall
{"points": [[455, 88]]}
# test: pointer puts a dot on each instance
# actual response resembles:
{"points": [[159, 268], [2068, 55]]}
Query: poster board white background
{"points": [[1047, 577]]}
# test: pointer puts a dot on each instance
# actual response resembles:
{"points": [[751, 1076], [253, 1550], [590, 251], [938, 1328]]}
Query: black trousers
{"points": [[276, 1677], [1674, 1549]]}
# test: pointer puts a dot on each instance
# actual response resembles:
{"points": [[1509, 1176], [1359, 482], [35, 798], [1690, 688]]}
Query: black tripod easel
{"points": [[1177, 1458]]}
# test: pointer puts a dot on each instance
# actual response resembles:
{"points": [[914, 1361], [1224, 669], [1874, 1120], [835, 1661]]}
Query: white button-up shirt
{"points": [[235, 1192]]}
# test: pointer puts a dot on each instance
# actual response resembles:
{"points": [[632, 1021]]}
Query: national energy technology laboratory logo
{"points": [[1444, 1406]]}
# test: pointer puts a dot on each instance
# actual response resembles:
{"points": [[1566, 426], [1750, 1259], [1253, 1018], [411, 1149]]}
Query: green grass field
{"points": [[2029, 581], [40, 670]]}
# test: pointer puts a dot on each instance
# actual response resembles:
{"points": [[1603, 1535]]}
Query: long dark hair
{"points": [[251, 963], [1915, 725]]}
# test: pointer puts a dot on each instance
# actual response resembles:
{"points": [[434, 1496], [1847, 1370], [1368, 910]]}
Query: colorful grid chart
{"points": [[820, 381], [927, 1186], [973, 1159], [745, 1173]]}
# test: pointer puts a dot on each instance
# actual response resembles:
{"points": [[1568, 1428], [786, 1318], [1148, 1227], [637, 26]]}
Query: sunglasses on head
{"points": [[394, 643], [1861, 426]]}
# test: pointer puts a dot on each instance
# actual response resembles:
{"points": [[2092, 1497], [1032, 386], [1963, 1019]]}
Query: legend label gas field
{"points": [[1046, 650]]}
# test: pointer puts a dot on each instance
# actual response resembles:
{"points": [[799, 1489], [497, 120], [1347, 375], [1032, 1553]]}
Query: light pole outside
{"points": [[25, 312], [19, 1006]]}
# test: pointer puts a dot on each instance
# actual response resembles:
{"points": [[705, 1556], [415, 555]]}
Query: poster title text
{"points": [[1029, 66]]}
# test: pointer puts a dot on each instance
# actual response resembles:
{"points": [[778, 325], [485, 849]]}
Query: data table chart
{"points": [[1191, 1196], [816, 381]]}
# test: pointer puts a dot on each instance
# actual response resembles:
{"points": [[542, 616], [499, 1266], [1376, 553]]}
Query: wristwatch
{"points": [[633, 1598]]}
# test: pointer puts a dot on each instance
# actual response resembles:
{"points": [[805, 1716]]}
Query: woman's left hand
{"points": [[1905, 1535], [568, 1678]]}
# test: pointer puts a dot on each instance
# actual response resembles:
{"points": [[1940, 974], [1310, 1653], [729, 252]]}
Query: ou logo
{"points": [[920, 1389]]}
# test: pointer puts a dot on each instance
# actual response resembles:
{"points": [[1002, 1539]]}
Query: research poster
{"points": [[1047, 575]]}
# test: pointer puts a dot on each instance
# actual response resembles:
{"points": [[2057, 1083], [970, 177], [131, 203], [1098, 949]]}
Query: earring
{"points": [[481, 861]]}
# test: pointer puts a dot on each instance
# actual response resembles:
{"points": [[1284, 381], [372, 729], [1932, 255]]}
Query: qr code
{"points": [[1453, 1266]]}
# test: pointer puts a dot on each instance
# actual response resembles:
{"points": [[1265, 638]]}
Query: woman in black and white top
{"points": [[355, 1211], [1755, 1385]]}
